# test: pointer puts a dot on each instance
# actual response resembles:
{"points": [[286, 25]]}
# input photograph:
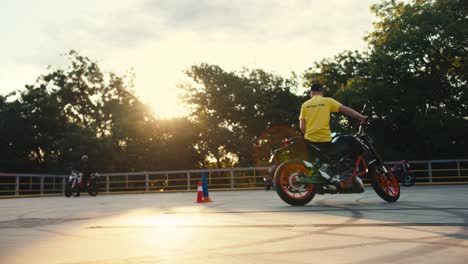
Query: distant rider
{"points": [[83, 167]]}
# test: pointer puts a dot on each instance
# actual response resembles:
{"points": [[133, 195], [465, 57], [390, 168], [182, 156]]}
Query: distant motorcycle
{"points": [[403, 173], [75, 183], [268, 180]]}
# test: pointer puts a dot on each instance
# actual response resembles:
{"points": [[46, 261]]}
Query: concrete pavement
{"points": [[429, 224]]}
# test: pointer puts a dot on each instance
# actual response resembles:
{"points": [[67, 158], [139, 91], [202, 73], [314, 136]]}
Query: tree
{"points": [[413, 78], [81, 110], [419, 51], [231, 110]]}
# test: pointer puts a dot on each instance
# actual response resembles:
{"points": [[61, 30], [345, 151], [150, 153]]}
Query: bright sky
{"points": [[161, 38]]}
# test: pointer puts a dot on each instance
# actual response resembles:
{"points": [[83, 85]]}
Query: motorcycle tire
{"points": [[68, 189], [288, 189], [384, 184], [408, 180], [93, 188]]}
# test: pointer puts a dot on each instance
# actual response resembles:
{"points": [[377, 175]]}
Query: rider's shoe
{"points": [[330, 188], [77, 195], [324, 171], [337, 178]]}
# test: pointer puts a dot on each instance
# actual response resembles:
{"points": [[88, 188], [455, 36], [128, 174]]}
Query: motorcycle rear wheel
{"points": [[385, 184], [68, 189], [287, 187]]}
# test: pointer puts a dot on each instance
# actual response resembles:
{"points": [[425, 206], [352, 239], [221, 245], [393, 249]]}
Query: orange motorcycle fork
{"points": [[358, 172]]}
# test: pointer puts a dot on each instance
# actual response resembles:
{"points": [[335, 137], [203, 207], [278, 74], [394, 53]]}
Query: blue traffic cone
{"points": [[206, 196]]}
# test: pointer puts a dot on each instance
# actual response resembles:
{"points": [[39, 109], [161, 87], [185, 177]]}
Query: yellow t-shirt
{"points": [[316, 113]]}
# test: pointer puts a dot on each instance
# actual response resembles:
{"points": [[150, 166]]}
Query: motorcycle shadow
{"points": [[404, 215]]}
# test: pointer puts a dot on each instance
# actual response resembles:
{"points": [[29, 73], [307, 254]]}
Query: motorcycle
{"points": [[298, 177], [403, 173], [76, 183], [268, 182]]}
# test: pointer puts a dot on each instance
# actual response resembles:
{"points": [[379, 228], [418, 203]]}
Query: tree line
{"points": [[412, 77]]}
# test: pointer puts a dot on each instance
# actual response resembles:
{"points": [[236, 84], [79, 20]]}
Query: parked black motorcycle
{"points": [[301, 170], [403, 173]]}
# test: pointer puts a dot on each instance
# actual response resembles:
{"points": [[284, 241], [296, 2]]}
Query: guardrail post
{"points": [[17, 186], [42, 185], [458, 168], [188, 181], [107, 184], [146, 182], [255, 177], [232, 179], [64, 181], [429, 168]]}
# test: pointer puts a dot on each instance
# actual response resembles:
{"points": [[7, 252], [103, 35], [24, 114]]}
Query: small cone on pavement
{"points": [[200, 192]]}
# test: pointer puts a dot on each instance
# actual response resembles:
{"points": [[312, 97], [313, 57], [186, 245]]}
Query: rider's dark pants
{"points": [[318, 149]]}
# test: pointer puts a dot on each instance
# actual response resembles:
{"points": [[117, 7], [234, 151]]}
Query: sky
{"points": [[159, 39]]}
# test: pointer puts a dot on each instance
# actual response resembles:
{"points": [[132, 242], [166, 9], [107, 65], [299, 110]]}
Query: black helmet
{"points": [[316, 87]]}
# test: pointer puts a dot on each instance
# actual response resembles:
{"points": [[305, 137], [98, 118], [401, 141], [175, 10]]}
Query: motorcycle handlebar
{"points": [[364, 108], [363, 126]]}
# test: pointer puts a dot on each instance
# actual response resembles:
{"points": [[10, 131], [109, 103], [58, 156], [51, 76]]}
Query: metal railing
{"points": [[454, 171], [22, 185]]}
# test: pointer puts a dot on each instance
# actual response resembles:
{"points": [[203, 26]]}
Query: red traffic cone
{"points": [[200, 192]]}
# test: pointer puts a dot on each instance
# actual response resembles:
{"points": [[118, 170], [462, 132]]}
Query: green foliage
{"points": [[413, 78], [232, 110], [81, 110]]}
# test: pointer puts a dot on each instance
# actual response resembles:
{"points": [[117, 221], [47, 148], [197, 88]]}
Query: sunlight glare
{"points": [[160, 94]]}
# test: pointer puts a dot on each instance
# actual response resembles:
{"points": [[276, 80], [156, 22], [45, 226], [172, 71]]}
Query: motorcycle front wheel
{"points": [[385, 184], [93, 188], [288, 188], [68, 189]]}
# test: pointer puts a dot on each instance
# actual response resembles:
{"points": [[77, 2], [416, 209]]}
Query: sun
{"points": [[168, 109], [161, 94], [165, 105]]}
